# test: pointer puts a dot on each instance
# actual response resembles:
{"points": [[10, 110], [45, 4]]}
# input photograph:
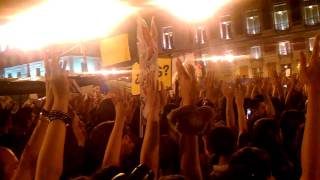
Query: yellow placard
{"points": [[135, 86], [115, 50], [164, 75], [165, 71]]}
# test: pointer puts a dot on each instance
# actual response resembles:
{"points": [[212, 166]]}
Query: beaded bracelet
{"points": [[44, 113], [58, 115]]}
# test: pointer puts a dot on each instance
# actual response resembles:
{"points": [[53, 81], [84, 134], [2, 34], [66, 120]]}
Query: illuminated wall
{"points": [[36, 68], [16, 71]]}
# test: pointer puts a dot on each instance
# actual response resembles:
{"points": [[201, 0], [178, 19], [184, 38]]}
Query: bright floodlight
{"points": [[59, 21], [191, 10]]}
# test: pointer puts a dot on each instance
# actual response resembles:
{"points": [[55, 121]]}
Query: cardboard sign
{"points": [[115, 50], [164, 75]]}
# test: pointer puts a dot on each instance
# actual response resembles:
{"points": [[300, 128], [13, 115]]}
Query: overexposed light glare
{"points": [[225, 58], [107, 72], [191, 10], [60, 21]]}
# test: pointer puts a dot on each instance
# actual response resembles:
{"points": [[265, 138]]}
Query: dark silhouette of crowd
{"points": [[245, 129]]}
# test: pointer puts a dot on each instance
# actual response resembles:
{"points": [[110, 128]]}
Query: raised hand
{"points": [[49, 94], [265, 88], [188, 83], [122, 101], [310, 74], [164, 96], [239, 93], [310, 145], [212, 89], [79, 131], [60, 87], [152, 94], [227, 90]]}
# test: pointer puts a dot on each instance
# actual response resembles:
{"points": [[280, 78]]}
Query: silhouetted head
{"points": [[221, 141], [250, 163]]}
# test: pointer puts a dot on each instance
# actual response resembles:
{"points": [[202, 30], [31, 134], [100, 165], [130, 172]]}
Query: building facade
{"points": [[258, 36]]}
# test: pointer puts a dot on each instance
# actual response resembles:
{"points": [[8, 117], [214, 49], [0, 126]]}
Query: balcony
{"points": [[281, 26], [314, 20]]}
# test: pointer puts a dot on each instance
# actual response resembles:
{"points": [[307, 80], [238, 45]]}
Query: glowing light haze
{"points": [[191, 10], [60, 21]]}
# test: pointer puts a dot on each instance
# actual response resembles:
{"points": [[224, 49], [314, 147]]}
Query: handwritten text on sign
{"points": [[164, 74]]}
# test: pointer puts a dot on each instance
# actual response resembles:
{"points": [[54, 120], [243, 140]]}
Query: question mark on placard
{"points": [[137, 79], [166, 68]]}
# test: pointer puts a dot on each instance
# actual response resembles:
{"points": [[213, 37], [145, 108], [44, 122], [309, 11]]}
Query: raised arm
{"points": [[271, 112], [292, 85], [150, 147], [189, 146], [122, 103], [228, 91], [277, 86], [50, 160], [239, 95], [28, 161], [310, 160]]}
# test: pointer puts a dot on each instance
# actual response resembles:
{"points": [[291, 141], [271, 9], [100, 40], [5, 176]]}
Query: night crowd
{"points": [[248, 128]]}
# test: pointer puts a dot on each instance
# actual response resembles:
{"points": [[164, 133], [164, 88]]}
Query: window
{"points": [[225, 27], [38, 72], [200, 35], [18, 74], [281, 17], [253, 22], [257, 72], [9, 75], [311, 15], [256, 52], [311, 43], [285, 70], [284, 48], [167, 38], [84, 67]]}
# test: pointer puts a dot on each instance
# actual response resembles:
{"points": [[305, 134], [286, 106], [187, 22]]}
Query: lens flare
{"points": [[191, 10], [60, 21]]}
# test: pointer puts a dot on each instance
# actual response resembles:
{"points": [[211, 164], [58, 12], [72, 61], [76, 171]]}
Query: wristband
{"points": [[58, 115]]}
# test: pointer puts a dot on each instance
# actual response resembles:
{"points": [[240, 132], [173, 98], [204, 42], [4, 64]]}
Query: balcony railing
{"points": [[281, 26], [254, 30], [312, 20]]}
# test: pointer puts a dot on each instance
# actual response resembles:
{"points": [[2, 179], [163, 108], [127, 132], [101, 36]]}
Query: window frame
{"points": [[167, 45], [280, 8], [250, 14], [225, 20], [251, 52], [315, 18], [288, 48]]}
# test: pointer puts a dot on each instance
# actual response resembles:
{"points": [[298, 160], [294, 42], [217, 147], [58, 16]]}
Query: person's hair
{"points": [[266, 135], [222, 141], [289, 123], [4, 117], [172, 177], [265, 131], [250, 163], [168, 156], [105, 173], [104, 112], [164, 124], [97, 142], [22, 118]]}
